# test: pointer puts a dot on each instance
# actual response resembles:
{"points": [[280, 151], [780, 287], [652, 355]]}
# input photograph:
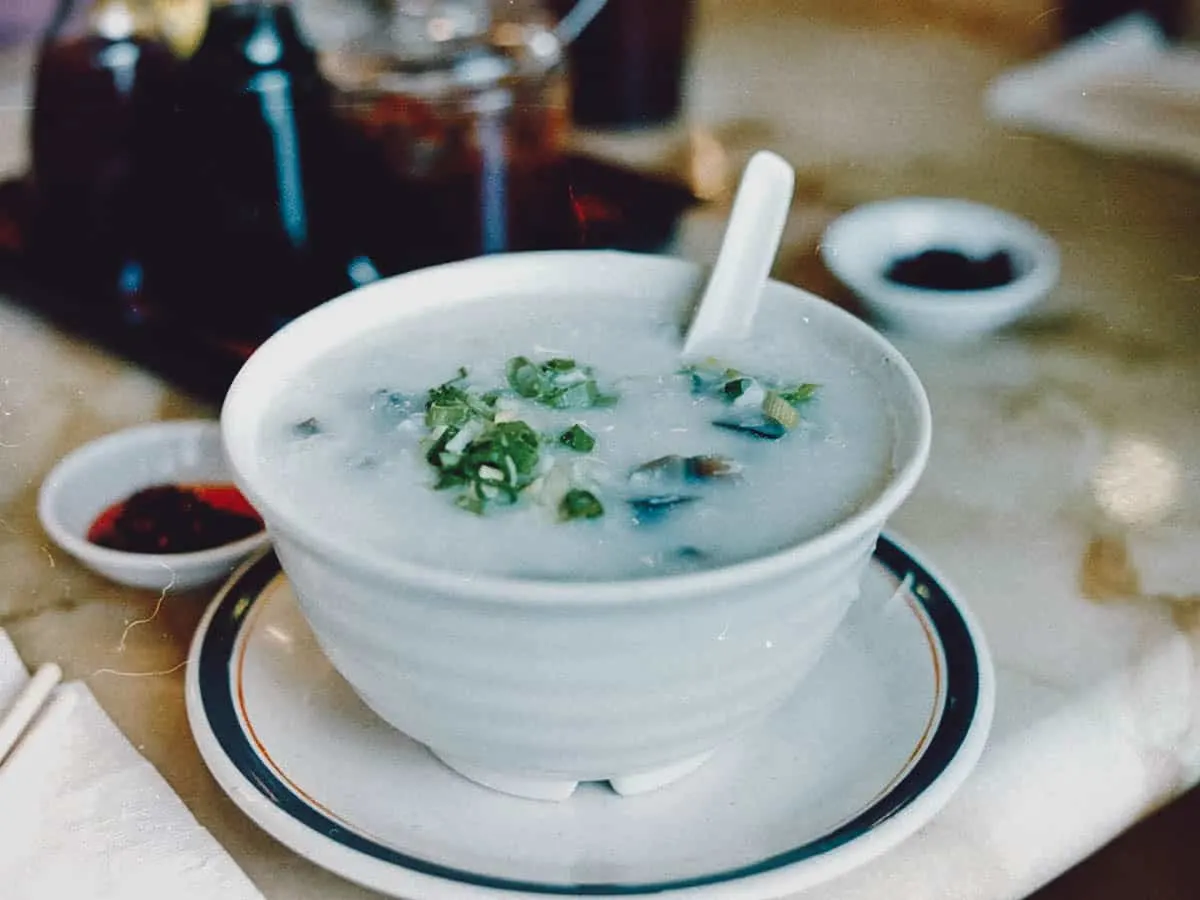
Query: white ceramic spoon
{"points": [[726, 311]]}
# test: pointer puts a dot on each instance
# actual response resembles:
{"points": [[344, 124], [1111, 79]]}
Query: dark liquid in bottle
{"points": [[627, 66], [251, 183], [1078, 17], [469, 173], [86, 94]]}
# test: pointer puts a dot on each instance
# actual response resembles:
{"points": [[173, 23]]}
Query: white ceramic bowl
{"points": [[860, 246], [110, 469], [533, 686]]}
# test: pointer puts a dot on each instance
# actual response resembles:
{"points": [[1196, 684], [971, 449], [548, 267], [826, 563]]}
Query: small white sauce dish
{"points": [[109, 470], [860, 247]]}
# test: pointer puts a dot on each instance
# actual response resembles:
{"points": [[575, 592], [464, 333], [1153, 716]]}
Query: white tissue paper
{"points": [[1123, 88], [83, 815]]}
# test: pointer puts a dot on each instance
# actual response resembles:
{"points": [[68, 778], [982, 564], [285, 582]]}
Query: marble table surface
{"points": [[1062, 495]]}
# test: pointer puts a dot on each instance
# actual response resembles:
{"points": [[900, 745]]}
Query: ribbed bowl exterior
{"points": [[588, 692], [550, 680]]}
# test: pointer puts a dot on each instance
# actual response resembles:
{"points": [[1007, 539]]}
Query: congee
{"points": [[560, 438]]}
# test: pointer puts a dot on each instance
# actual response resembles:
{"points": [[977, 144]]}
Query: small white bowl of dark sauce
{"points": [[151, 507], [940, 268]]}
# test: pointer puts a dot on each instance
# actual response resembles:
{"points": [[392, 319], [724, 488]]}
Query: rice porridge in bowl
{"points": [[533, 540]]}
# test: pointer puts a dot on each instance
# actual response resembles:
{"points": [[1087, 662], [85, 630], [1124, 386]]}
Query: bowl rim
{"points": [[491, 588], [54, 487], [840, 237]]}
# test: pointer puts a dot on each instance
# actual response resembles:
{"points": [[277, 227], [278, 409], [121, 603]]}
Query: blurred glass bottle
{"points": [[1079, 17], [251, 184], [466, 102], [94, 64], [628, 65]]}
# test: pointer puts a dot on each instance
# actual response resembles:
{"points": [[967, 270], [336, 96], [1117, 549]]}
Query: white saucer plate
{"points": [[872, 745]]}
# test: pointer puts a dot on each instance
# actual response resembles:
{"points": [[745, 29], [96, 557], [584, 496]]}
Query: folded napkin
{"points": [[1122, 88], [83, 815]]}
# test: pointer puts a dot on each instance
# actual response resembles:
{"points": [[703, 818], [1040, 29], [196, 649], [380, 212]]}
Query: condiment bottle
{"points": [[253, 182], [629, 66], [466, 102], [1081, 17], [95, 63]]}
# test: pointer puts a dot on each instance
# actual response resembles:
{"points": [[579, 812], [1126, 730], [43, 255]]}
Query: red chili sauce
{"points": [[176, 518]]}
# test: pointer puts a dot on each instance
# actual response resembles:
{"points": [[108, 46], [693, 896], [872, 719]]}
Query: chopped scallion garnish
{"points": [[481, 448], [578, 438], [452, 403], [558, 383], [578, 503], [778, 403], [801, 393]]}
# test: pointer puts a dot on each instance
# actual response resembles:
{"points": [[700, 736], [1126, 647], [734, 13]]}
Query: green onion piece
{"points": [[490, 461], [799, 394], [524, 377], [451, 415], [470, 502], [579, 504], [519, 443], [575, 396], [449, 480], [710, 378], [559, 383], [478, 447], [433, 455], [451, 403], [578, 438], [775, 407], [598, 399]]}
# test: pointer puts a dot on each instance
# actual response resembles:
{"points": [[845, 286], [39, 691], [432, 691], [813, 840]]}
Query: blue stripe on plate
{"points": [[962, 697]]}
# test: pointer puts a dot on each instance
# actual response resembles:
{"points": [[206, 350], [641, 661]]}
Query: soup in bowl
{"points": [[532, 539]]}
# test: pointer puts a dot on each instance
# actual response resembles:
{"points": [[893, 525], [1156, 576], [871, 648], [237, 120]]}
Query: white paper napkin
{"points": [[1122, 88], [84, 816]]}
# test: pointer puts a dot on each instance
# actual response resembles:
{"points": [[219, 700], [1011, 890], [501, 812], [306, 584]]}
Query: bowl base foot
{"points": [[534, 787], [629, 785]]}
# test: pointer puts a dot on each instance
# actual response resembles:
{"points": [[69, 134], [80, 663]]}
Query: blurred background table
{"points": [[1062, 496]]}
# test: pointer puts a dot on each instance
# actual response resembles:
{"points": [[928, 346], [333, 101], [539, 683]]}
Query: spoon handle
{"points": [[726, 310]]}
